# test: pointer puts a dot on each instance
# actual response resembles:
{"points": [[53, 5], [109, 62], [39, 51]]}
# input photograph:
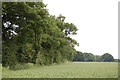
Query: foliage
{"points": [[37, 36], [22, 66], [79, 56], [85, 57], [8, 56], [88, 57], [98, 58], [40, 59], [107, 57]]}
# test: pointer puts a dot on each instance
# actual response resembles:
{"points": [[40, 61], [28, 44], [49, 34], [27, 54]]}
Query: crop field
{"points": [[0, 71], [67, 70], [0, 66]]}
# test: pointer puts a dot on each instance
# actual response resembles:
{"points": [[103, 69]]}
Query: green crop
{"points": [[67, 70]]}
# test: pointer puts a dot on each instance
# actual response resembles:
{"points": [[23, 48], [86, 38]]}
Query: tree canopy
{"points": [[107, 57], [31, 35], [89, 57]]}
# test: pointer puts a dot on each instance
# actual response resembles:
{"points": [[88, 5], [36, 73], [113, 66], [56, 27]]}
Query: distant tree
{"points": [[79, 57], [89, 57], [116, 60], [98, 58], [107, 57]]}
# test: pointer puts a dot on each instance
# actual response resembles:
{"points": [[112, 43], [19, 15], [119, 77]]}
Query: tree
{"points": [[79, 57], [107, 57], [37, 36], [89, 57], [8, 55], [98, 58]]}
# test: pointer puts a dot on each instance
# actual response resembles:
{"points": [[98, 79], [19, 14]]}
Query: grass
{"points": [[67, 70], [0, 67], [0, 71]]}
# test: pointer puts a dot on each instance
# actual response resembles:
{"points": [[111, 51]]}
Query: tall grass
{"points": [[67, 70]]}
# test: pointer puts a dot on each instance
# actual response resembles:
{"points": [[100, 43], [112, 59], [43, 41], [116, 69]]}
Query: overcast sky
{"points": [[97, 21]]}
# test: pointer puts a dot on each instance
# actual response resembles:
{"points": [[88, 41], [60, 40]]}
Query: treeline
{"points": [[31, 35], [89, 57]]}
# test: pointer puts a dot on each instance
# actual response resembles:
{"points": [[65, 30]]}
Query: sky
{"points": [[97, 21]]}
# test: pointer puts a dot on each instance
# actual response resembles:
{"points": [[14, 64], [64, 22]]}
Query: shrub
{"points": [[22, 66], [40, 59], [9, 55]]}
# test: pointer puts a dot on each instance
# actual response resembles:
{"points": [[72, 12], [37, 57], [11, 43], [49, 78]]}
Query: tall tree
{"points": [[38, 37], [107, 57]]}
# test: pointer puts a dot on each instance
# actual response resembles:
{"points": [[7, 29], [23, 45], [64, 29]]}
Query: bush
{"points": [[25, 53], [22, 66], [40, 59], [9, 58]]}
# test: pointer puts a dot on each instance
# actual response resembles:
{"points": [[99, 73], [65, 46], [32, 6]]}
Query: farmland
{"points": [[0, 66], [67, 70]]}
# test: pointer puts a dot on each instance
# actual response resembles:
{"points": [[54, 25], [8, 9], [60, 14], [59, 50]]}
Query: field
{"points": [[67, 70], [0, 66]]}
